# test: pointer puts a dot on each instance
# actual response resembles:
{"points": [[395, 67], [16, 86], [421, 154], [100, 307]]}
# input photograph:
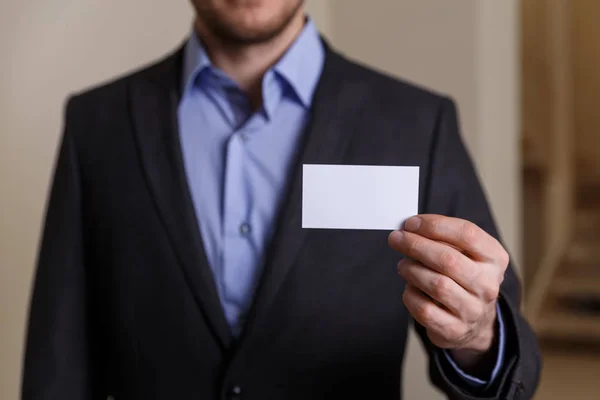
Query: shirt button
{"points": [[245, 229], [244, 137]]}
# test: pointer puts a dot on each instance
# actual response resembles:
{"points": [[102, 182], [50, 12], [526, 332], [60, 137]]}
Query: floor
{"points": [[570, 373]]}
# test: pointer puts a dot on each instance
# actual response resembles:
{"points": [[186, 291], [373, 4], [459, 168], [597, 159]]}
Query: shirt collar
{"points": [[300, 67], [195, 60], [302, 63]]}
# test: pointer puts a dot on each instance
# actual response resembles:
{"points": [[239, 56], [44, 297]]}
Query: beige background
{"points": [[587, 88], [466, 48]]}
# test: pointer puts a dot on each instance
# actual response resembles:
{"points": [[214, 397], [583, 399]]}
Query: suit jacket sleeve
{"points": [[57, 355], [453, 188]]}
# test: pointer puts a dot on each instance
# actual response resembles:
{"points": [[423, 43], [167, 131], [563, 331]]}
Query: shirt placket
{"points": [[240, 254]]}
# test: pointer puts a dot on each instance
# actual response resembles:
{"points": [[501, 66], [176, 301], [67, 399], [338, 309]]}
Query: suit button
{"points": [[520, 389], [235, 393]]}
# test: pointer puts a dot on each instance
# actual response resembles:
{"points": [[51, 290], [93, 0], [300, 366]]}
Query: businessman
{"points": [[173, 264]]}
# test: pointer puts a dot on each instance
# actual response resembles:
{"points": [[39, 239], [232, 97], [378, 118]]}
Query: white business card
{"points": [[358, 197]]}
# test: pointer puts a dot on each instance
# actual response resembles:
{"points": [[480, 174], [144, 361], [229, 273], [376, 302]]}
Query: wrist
{"points": [[483, 342], [481, 351]]}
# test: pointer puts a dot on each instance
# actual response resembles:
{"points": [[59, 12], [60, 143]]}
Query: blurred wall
{"points": [[52, 48], [586, 58]]}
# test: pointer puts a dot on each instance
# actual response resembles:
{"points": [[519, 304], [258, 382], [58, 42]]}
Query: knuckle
{"points": [[469, 234], [435, 226], [424, 312], [441, 287], [414, 247], [504, 259], [448, 261], [490, 292], [501, 277]]}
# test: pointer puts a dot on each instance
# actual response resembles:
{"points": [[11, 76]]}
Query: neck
{"points": [[246, 64]]}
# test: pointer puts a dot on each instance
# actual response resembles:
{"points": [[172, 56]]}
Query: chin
{"points": [[249, 21], [253, 27]]}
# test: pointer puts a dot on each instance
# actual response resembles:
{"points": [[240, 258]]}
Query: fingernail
{"points": [[400, 267], [395, 236], [412, 224]]}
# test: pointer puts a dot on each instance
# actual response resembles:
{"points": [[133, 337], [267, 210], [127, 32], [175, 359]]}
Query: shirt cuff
{"points": [[476, 382]]}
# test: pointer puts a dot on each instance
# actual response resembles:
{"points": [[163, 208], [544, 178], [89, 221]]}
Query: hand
{"points": [[453, 272]]}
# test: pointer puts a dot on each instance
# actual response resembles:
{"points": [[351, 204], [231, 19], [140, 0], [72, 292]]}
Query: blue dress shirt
{"points": [[237, 159]]}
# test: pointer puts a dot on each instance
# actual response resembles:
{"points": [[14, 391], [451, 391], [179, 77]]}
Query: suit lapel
{"points": [[336, 108], [155, 98]]}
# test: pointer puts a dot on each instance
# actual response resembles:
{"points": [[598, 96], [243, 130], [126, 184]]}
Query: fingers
{"points": [[438, 256], [441, 289], [457, 232], [438, 322], [453, 274]]}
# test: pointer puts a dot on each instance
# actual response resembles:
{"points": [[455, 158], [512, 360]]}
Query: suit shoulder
{"points": [[114, 91], [392, 90]]}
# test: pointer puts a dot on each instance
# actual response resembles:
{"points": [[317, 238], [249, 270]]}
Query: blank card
{"points": [[358, 197]]}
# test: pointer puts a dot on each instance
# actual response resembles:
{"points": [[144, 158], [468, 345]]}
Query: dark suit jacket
{"points": [[124, 302]]}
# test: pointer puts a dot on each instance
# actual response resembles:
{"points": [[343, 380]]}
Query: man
{"points": [[174, 265]]}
